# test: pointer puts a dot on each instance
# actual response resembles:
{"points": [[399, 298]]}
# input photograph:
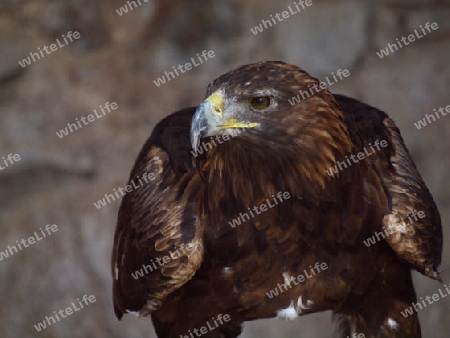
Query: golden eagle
{"points": [[259, 208]]}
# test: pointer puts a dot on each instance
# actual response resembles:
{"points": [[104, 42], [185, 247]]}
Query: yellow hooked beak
{"points": [[208, 120]]}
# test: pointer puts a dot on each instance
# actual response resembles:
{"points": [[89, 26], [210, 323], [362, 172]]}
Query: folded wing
{"points": [[413, 226], [158, 242]]}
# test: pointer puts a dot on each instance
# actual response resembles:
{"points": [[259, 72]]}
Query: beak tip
{"points": [[204, 123], [195, 141], [198, 126]]}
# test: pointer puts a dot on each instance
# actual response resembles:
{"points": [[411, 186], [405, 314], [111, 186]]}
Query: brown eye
{"points": [[260, 102]]}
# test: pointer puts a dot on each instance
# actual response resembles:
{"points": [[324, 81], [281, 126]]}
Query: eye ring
{"points": [[260, 102]]}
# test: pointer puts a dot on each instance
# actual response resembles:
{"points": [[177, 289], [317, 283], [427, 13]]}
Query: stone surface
{"points": [[305, 37]]}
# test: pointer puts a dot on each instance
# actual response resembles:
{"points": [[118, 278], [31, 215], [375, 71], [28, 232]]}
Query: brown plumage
{"points": [[230, 270]]}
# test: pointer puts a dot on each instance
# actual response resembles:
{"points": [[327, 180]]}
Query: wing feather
{"points": [[157, 224], [416, 240]]}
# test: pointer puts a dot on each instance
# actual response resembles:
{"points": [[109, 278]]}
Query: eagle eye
{"points": [[260, 102]]}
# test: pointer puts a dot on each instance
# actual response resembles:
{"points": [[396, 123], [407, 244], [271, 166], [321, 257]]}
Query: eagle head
{"points": [[253, 103]]}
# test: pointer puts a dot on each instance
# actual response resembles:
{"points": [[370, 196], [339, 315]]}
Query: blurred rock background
{"points": [[116, 59]]}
